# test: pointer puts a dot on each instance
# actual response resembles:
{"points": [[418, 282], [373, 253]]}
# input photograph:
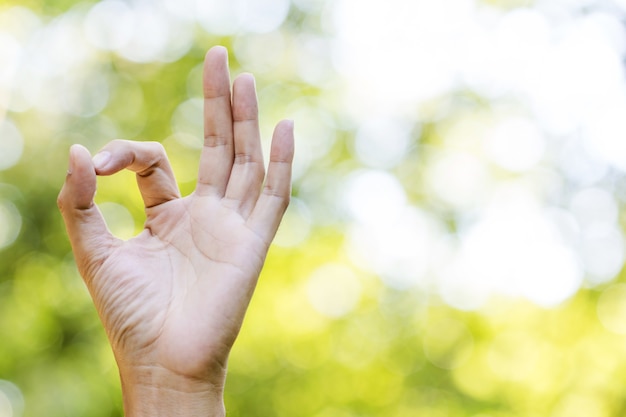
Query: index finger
{"points": [[148, 160]]}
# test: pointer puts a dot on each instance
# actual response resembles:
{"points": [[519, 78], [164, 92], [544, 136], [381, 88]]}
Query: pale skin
{"points": [[173, 298]]}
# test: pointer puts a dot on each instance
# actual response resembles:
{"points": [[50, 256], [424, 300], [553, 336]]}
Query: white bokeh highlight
{"points": [[229, 18], [382, 142], [514, 249], [11, 400], [10, 223], [459, 179], [559, 78], [333, 290], [515, 144], [11, 144]]}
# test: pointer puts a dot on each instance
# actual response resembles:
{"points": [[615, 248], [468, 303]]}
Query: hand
{"points": [[172, 299]]}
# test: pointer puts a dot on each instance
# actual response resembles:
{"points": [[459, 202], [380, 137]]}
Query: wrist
{"points": [[154, 391]]}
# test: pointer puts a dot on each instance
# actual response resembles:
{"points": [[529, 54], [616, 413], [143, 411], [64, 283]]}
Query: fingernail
{"points": [[101, 159]]}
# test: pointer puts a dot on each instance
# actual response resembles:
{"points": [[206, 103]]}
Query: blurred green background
{"points": [[455, 243]]}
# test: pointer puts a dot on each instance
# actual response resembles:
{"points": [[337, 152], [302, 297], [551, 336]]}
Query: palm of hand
{"points": [[175, 295]]}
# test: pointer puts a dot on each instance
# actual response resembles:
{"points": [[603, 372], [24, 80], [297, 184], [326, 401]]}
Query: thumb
{"points": [[90, 238]]}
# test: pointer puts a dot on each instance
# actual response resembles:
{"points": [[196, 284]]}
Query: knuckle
{"points": [[216, 140], [151, 156], [116, 143], [283, 198], [243, 158], [156, 147]]}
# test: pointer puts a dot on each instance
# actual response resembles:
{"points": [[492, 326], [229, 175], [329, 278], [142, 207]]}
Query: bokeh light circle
{"points": [[516, 249], [255, 16], [458, 179], [109, 24], [373, 196], [333, 290], [611, 308], [10, 223], [382, 142], [11, 144], [516, 144], [11, 400]]}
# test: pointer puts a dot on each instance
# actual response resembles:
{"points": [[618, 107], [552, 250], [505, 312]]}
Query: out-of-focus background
{"points": [[455, 243]]}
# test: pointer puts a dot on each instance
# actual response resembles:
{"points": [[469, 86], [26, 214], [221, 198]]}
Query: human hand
{"points": [[172, 299]]}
